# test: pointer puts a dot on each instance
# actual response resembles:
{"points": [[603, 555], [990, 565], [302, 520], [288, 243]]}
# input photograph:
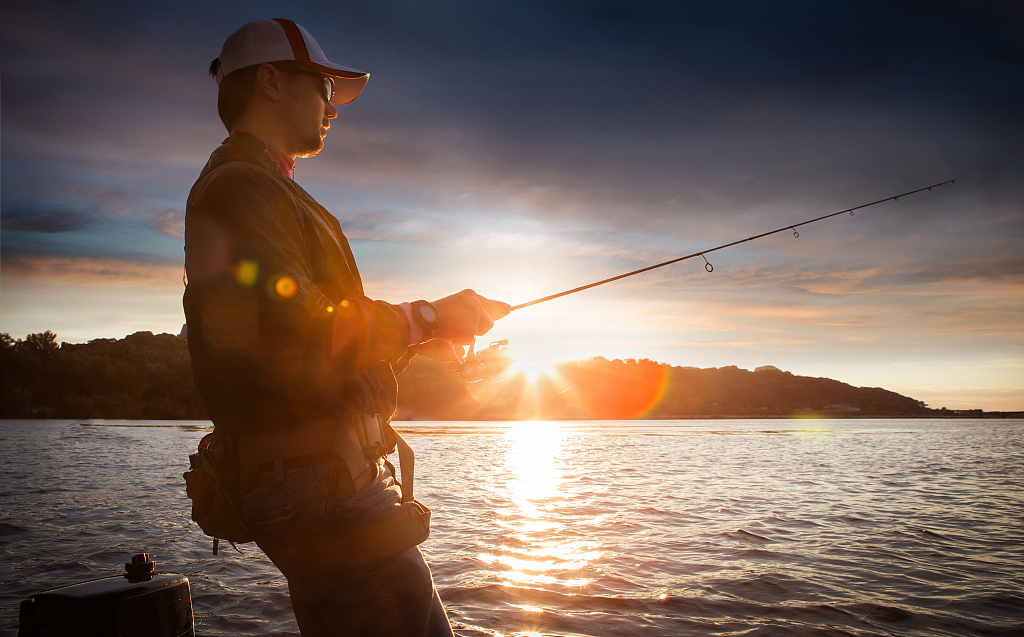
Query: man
{"points": [[296, 366]]}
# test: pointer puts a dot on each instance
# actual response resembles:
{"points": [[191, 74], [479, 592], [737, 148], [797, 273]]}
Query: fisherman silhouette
{"points": [[295, 364]]}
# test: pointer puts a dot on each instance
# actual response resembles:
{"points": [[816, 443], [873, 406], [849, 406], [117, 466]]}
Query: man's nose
{"points": [[330, 111]]}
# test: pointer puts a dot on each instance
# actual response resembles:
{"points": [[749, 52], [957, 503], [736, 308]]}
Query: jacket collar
{"points": [[243, 147]]}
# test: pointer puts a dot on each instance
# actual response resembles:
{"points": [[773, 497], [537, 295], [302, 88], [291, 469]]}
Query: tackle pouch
{"points": [[206, 484], [408, 525]]}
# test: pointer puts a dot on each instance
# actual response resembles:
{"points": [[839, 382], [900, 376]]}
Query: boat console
{"points": [[139, 603]]}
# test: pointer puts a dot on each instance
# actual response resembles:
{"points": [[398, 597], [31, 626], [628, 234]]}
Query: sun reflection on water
{"points": [[539, 547]]}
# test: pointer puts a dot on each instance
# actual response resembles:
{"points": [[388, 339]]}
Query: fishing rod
{"points": [[491, 362], [707, 265]]}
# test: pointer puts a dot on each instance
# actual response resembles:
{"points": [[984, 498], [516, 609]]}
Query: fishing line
{"points": [[707, 264], [490, 363]]}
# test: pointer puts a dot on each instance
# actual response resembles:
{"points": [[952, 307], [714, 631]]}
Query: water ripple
{"points": [[774, 527]]}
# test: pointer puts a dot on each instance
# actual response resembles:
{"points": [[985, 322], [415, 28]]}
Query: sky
{"points": [[524, 148]]}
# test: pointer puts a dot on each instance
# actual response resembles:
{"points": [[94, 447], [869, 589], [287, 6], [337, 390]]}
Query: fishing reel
{"points": [[486, 365]]}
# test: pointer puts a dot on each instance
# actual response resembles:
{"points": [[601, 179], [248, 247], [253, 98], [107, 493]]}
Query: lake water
{"points": [[726, 527]]}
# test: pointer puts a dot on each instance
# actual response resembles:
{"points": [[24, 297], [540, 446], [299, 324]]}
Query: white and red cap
{"points": [[279, 40]]}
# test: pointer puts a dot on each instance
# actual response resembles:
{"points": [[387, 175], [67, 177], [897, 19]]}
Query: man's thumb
{"points": [[496, 309]]}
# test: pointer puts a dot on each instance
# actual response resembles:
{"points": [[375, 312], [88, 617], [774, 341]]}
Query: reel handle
{"points": [[489, 363]]}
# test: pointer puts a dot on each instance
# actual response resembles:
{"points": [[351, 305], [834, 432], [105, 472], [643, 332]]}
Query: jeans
{"points": [[394, 596]]}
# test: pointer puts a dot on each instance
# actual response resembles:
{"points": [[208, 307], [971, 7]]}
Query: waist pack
{"points": [[207, 485], [359, 544], [212, 480]]}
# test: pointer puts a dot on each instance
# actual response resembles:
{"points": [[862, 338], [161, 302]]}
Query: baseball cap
{"points": [[279, 40]]}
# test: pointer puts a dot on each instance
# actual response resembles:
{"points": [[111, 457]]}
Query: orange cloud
{"points": [[51, 268]]}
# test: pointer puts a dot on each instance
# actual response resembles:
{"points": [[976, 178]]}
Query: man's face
{"points": [[309, 113]]}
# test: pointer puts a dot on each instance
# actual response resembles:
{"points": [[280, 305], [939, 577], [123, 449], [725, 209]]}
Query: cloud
{"points": [[116, 197], [726, 119], [956, 397], [990, 269], [31, 218], [170, 223], [48, 268]]}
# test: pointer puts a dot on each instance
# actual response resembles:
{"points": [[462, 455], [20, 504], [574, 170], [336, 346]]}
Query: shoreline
{"points": [[801, 416]]}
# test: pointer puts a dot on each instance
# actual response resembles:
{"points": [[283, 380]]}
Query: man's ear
{"points": [[269, 82]]}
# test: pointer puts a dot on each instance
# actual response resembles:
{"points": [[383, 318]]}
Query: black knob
{"points": [[140, 568]]}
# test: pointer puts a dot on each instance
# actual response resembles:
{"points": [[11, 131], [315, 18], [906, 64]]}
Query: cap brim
{"points": [[348, 83]]}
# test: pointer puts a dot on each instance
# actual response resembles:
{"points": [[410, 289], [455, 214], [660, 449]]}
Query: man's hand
{"points": [[438, 350], [460, 317], [465, 315]]}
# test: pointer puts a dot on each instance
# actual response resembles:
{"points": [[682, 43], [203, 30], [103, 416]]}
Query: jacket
{"points": [[279, 330]]}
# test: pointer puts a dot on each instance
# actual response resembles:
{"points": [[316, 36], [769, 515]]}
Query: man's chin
{"points": [[311, 148]]}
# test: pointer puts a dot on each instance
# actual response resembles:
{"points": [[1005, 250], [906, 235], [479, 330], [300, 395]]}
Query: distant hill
{"points": [[149, 376], [616, 389]]}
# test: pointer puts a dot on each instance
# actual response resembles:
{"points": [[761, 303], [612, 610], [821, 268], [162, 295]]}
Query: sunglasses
{"points": [[328, 85]]}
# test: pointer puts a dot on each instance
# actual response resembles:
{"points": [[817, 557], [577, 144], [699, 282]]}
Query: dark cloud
{"points": [[30, 218], [640, 115], [116, 197], [622, 114]]}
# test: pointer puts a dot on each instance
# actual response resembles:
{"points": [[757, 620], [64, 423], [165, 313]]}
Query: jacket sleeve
{"points": [[248, 259]]}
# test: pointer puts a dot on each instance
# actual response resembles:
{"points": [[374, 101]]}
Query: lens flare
{"points": [[617, 390], [246, 273], [286, 287]]}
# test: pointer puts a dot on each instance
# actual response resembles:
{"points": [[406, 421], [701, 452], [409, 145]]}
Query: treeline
{"points": [[141, 376], [147, 376], [598, 388]]}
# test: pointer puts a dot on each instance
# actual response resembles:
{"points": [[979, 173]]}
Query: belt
{"points": [[355, 439]]}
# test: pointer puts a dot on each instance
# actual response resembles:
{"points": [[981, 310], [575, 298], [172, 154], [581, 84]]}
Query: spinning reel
{"points": [[488, 364]]}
